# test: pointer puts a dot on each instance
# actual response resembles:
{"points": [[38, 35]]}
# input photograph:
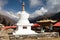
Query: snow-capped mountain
{"points": [[9, 14]]}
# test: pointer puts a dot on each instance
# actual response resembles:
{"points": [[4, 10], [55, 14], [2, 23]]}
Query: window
{"points": [[24, 27]]}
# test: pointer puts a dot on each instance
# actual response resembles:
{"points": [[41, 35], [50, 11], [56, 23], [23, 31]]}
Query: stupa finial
{"points": [[23, 8]]}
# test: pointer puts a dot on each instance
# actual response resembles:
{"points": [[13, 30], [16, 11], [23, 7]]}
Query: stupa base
{"points": [[24, 32]]}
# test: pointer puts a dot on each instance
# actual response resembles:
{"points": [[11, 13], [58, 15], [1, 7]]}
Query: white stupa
{"points": [[24, 26]]}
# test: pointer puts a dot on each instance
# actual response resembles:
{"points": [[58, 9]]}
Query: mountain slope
{"points": [[8, 14], [56, 16], [7, 18]]}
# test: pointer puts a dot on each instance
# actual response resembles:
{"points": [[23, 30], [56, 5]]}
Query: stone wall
{"points": [[32, 37]]}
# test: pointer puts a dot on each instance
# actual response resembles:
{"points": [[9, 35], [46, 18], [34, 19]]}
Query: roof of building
{"points": [[36, 25], [8, 27], [57, 24], [47, 21]]}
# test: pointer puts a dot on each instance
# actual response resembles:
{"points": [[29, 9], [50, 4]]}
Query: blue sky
{"points": [[15, 6], [31, 6]]}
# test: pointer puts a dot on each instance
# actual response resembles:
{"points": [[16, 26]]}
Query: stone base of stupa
{"points": [[24, 32]]}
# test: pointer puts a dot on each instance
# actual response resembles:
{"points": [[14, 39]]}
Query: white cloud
{"points": [[37, 13], [2, 3], [34, 3], [53, 6]]}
